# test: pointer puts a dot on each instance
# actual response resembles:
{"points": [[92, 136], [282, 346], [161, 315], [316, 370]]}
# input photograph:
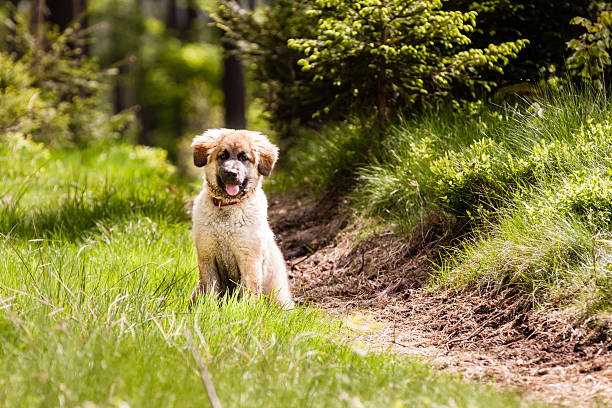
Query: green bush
{"points": [[475, 181], [391, 54], [290, 96], [473, 167], [590, 58], [545, 256], [19, 96], [487, 174], [545, 23], [552, 244], [589, 196], [53, 93], [372, 55]]}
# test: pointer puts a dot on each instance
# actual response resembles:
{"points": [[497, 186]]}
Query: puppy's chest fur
{"points": [[225, 233]]}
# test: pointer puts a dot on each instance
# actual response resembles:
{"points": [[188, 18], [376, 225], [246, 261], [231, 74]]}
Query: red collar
{"points": [[218, 203]]}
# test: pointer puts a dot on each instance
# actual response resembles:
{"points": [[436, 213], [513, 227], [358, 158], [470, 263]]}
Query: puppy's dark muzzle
{"points": [[231, 175]]}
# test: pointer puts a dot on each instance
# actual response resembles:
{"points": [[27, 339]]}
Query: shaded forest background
{"points": [[161, 62], [179, 66]]}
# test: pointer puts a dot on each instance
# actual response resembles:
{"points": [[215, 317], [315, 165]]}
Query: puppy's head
{"points": [[233, 160]]}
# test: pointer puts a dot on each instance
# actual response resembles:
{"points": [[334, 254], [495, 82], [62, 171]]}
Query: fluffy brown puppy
{"points": [[234, 243]]}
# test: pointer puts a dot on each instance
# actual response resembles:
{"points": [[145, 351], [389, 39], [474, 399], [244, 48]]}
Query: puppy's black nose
{"points": [[231, 172]]}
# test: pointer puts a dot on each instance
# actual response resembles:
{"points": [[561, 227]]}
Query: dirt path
{"points": [[500, 339]]}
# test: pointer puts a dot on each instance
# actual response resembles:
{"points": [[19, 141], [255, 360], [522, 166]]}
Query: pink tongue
{"points": [[232, 189]]}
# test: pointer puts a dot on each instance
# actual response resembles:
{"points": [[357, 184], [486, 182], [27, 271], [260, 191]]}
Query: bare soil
{"points": [[548, 353]]}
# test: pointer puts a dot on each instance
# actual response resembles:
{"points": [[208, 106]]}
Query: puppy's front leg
{"points": [[251, 273], [208, 281]]}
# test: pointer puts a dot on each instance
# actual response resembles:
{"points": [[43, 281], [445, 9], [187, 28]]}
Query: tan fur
{"points": [[234, 243]]}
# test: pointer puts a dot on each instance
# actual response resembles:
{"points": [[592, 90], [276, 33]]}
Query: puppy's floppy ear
{"points": [[203, 145], [266, 152]]}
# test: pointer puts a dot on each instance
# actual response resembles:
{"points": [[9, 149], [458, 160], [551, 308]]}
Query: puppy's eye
{"points": [[243, 157], [224, 155]]}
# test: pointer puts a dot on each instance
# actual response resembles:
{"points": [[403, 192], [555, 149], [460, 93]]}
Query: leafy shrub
{"points": [[52, 92], [588, 196], [543, 255], [590, 57], [589, 146], [486, 174], [478, 165], [543, 22], [289, 94], [553, 217], [550, 244], [478, 179], [400, 184], [391, 53], [353, 54], [18, 95]]}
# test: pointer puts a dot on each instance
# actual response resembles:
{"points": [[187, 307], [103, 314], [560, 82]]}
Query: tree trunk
{"points": [[11, 15], [233, 85], [39, 12], [382, 87], [233, 89], [144, 136], [186, 32], [172, 16], [64, 12], [57, 12]]}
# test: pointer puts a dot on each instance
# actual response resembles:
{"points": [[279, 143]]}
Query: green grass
{"points": [[540, 206], [325, 160], [96, 265], [529, 188]]}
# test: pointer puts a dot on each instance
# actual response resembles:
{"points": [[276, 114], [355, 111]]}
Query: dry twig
{"points": [[204, 375]]}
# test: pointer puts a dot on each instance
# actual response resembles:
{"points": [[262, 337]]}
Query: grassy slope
{"points": [[531, 188], [96, 263]]}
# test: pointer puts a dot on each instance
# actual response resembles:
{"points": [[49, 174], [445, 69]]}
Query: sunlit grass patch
{"points": [[552, 246], [50, 193], [93, 305], [525, 190], [469, 166], [326, 160]]}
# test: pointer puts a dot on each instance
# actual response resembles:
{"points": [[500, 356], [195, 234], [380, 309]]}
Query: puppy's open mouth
{"points": [[231, 189]]}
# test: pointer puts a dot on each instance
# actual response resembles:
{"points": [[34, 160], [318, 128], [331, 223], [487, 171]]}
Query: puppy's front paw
{"points": [[198, 291], [288, 304]]}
